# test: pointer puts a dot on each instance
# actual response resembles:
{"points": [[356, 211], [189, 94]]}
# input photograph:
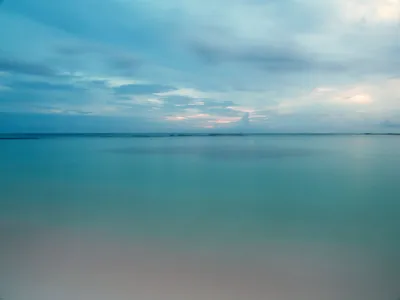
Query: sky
{"points": [[200, 65]]}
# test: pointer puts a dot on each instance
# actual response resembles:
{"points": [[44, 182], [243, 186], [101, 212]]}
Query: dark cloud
{"points": [[26, 68], [124, 63], [101, 21], [390, 124], [26, 96], [268, 58], [69, 50], [263, 56], [114, 59], [76, 112], [69, 123], [41, 85], [142, 89], [97, 83], [20, 98]]}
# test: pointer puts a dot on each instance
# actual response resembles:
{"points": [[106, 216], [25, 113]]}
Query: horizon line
{"points": [[21, 135]]}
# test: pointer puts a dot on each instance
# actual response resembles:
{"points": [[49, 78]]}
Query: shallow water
{"points": [[246, 217]]}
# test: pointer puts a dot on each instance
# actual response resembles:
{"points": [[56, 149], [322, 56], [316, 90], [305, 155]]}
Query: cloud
{"points": [[112, 59], [142, 89], [186, 92], [124, 64], [74, 123], [390, 124], [27, 68], [299, 64], [245, 119], [42, 85], [373, 11], [223, 111], [178, 100], [268, 58], [188, 102], [55, 110]]}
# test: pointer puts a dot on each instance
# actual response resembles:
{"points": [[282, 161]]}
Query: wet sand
{"points": [[39, 264]]}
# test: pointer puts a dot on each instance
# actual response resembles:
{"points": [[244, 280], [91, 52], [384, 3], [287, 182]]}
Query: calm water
{"points": [[327, 206]]}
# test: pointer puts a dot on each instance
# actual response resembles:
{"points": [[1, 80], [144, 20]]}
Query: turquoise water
{"points": [[213, 193], [252, 187]]}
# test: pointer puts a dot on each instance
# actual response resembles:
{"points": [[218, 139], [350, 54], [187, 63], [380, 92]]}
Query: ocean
{"points": [[200, 217]]}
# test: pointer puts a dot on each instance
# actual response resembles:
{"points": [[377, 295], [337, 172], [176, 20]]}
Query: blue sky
{"points": [[175, 65]]}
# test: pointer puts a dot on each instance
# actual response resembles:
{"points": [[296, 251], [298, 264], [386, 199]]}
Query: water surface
{"points": [[228, 217]]}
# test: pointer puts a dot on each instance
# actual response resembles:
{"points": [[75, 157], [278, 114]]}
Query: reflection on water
{"points": [[222, 152]]}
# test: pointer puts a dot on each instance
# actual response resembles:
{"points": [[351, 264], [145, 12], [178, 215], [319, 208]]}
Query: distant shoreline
{"points": [[36, 136]]}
